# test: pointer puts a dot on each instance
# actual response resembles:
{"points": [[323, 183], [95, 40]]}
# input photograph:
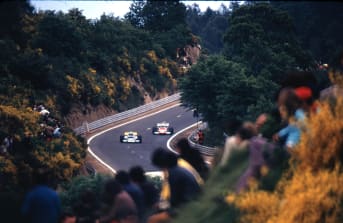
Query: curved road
{"points": [[122, 156]]}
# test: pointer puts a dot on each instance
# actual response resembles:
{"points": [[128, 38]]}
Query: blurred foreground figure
{"points": [[42, 204]]}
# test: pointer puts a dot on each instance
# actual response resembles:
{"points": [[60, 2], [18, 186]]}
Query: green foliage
{"points": [[221, 89], [163, 15], [71, 191], [256, 37], [135, 15], [79, 61], [210, 206], [318, 26], [209, 26]]}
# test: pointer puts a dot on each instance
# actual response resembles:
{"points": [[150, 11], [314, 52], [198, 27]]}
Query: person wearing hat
{"points": [[308, 104]]}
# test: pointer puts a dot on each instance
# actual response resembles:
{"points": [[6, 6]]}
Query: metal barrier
{"points": [[87, 127], [205, 150]]}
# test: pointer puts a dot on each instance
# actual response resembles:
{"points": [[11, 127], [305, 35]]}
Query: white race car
{"points": [[162, 128], [131, 137]]}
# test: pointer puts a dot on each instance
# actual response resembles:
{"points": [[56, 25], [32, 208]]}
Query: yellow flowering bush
{"points": [[311, 191]]}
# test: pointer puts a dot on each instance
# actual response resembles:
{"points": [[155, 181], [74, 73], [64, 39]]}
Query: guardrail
{"points": [[87, 127], [205, 150]]}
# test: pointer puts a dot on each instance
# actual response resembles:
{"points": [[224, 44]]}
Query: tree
{"points": [[317, 25], [210, 26], [12, 14], [256, 37], [222, 90], [135, 15], [163, 15]]}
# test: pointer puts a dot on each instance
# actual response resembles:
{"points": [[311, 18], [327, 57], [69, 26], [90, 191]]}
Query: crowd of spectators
{"points": [[129, 196], [278, 131], [50, 126]]}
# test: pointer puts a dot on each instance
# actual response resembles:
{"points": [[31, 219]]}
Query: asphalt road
{"points": [[122, 156]]}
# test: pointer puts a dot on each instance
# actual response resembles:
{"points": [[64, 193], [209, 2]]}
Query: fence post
{"points": [[85, 127]]}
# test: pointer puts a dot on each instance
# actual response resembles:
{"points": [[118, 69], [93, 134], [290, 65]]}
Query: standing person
{"points": [[179, 185], [291, 113], [193, 157], [201, 137], [42, 204], [149, 189], [133, 190], [86, 207], [239, 141], [120, 207], [151, 193]]}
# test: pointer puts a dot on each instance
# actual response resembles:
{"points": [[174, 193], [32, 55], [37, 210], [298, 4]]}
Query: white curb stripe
{"points": [[178, 133]]}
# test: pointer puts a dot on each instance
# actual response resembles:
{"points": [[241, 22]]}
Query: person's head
{"points": [[137, 174], [247, 131], [297, 79], [163, 158], [122, 177], [288, 103], [305, 95], [111, 189], [182, 146]]}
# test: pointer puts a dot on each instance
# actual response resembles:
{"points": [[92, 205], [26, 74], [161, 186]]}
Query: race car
{"points": [[162, 128], [131, 137]]}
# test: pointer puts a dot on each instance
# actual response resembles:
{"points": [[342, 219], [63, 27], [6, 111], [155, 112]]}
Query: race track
{"points": [[121, 156]]}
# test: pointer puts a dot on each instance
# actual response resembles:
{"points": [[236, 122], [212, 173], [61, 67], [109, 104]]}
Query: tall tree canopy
{"points": [[210, 26], [256, 37], [318, 26], [157, 15]]}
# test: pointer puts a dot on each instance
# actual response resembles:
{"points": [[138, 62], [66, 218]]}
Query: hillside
{"points": [[60, 69]]}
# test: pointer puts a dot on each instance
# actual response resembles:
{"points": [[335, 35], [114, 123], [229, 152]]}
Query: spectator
{"points": [[120, 207], [195, 113], [133, 190], [308, 103], [44, 112], [42, 204], [193, 157], [201, 137], [179, 185], [4, 146], [150, 191], [239, 141], [57, 132], [334, 91], [86, 208], [257, 147], [289, 108]]}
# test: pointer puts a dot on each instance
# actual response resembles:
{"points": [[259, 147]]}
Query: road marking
{"points": [[178, 116], [148, 129], [176, 134], [117, 126]]}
